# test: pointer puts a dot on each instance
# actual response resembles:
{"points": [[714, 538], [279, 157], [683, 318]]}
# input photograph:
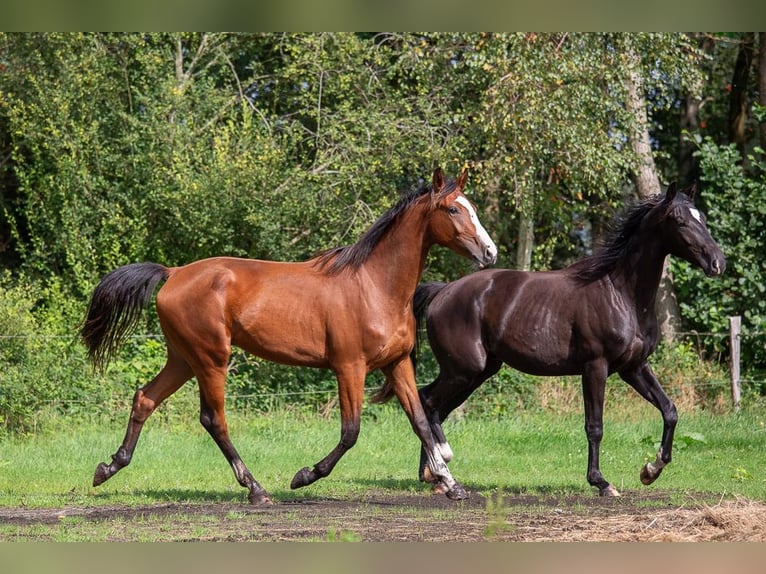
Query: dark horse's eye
{"points": [[452, 210]]}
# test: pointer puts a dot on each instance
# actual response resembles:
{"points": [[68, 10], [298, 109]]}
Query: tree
{"points": [[647, 181]]}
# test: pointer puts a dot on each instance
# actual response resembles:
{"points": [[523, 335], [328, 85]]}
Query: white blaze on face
{"points": [[695, 214], [480, 231]]}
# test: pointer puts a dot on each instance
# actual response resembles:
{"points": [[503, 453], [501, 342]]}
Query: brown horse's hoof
{"points": [[102, 474], [260, 498], [609, 491], [457, 492], [439, 487], [303, 477]]}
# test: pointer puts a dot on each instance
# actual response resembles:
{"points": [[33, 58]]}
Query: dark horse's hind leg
{"points": [[172, 376], [593, 385], [647, 385], [213, 418], [438, 404]]}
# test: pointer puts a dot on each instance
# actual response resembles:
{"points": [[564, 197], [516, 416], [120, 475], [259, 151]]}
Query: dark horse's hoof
{"points": [[457, 492], [303, 477], [102, 474], [649, 475]]}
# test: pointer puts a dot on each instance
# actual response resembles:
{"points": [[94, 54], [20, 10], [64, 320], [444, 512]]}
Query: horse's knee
{"points": [[206, 419], [349, 434], [671, 415], [594, 431]]}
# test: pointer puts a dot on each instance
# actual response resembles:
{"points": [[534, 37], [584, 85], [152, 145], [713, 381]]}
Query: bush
{"points": [[734, 199]]}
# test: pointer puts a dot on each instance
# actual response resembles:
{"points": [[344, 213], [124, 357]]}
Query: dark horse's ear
{"points": [[691, 191], [670, 194], [462, 178], [438, 180]]}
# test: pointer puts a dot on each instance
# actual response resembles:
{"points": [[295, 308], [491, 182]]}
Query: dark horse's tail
{"points": [[424, 293], [116, 307]]}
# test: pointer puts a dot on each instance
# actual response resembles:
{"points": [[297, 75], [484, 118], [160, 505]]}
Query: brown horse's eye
{"points": [[452, 210]]}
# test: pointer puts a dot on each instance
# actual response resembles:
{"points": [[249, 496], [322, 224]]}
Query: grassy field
{"points": [[716, 455], [524, 468]]}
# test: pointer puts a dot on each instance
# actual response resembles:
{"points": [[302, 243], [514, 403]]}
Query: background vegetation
{"points": [[117, 148]]}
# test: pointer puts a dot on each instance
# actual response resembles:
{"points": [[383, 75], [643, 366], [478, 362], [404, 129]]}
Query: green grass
{"points": [[523, 452]]}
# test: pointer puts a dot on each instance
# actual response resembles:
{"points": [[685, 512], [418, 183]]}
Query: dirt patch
{"points": [[385, 517]]}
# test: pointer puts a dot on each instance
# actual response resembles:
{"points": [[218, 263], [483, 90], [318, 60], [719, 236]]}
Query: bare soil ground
{"points": [[384, 517]]}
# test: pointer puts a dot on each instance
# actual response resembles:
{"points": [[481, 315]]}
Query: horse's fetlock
{"points": [[121, 458]]}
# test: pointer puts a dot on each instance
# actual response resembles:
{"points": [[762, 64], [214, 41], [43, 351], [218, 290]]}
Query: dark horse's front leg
{"points": [[646, 384], [593, 385]]}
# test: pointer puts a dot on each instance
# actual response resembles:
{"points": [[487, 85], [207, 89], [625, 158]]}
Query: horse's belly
{"points": [[542, 362], [284, 340]]}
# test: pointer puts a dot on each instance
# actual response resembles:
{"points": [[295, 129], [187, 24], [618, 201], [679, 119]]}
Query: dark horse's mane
{"points": [[617, 243], [336, 259]]}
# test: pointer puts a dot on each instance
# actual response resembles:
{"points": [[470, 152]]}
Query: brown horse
{"points": [[592, 319], [348, 310]]}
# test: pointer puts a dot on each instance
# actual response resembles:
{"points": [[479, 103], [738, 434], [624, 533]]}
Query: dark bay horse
{"points": [[348, 310], [592, 319]]}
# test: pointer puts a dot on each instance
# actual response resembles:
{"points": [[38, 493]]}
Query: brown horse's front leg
{"points": [[351, 395], [401, 377]]}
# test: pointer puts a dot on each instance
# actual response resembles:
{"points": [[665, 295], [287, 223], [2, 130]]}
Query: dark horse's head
{"points": [[685, 233]]}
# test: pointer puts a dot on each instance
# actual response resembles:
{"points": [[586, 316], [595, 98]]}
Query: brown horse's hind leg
{"points": [[213, 418], [172, 376], [351, 395]]}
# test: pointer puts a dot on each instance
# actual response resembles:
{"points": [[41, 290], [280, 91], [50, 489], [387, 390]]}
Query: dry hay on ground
{"points": [[381, 517]]}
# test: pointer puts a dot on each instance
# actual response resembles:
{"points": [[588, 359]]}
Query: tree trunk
{"points": [[688, 165], [738, 94], [526, 243], [647, 184]]}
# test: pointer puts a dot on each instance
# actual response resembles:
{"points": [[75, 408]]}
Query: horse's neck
{"points": [[396, 264], [640, 272]]}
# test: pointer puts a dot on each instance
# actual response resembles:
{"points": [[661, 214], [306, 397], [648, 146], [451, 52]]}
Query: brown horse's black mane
{"points": [[336, 259], [617, 243]]}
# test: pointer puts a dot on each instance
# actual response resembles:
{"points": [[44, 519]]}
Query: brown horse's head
{"points": [[685, 232], [454, 222]]}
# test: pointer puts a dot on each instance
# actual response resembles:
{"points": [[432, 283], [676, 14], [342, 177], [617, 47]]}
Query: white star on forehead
{"points": [[695, 214]]}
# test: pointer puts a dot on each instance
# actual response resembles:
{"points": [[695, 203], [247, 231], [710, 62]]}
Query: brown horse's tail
{"points": [[116, 307], [424, 293]]}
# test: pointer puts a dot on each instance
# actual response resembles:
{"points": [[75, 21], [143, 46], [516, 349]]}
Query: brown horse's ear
{"points": [[438, 180], [462, 178], [692, 190]]}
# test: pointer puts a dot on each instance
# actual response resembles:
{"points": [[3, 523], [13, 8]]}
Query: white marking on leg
{"points": [[480, 231], [695, 214], [439, 468], [445, 450], [655, 467]]}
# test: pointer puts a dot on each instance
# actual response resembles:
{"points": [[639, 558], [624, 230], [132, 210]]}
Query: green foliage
{"points": [[177, 146], [41, 369], [734, 198]]}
